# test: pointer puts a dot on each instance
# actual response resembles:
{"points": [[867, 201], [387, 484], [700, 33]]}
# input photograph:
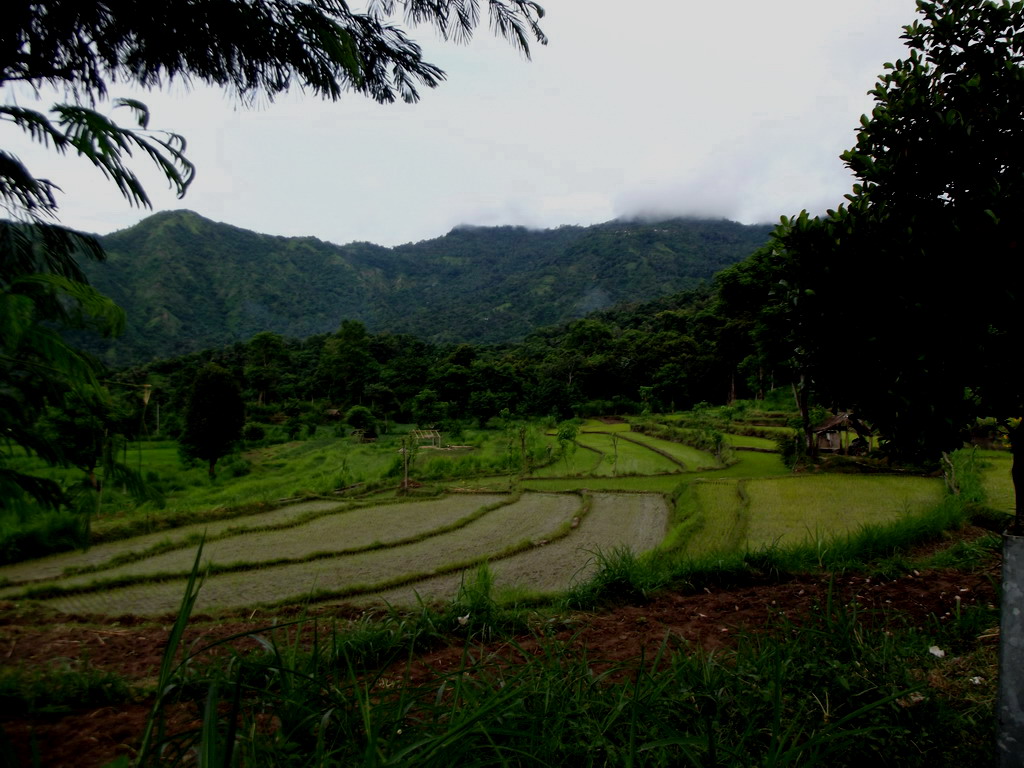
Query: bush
{"points": [[236, 467], [452, 429], [792, 449], [592, 408], [253, 433], [72, 686], [360, 417], [42, 534]]}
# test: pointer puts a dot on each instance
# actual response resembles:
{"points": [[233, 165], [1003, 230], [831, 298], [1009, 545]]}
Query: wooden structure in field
{"points": [[427, 437], [833, 435]]}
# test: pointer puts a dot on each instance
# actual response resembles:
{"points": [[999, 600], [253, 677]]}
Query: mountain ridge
{"points": [[189, 283]]}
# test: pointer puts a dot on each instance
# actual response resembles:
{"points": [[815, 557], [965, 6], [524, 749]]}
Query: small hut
{"points": [[427, 437], [833, 435]]}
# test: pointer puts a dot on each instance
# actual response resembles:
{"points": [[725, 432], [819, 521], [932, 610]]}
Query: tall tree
{"points": [[346, 364], [265, 358], [214, 416], [41, 292], [927, 252]]}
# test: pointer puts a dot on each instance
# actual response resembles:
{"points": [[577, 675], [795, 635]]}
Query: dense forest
{"points": [[658, 356], [188, 283]]}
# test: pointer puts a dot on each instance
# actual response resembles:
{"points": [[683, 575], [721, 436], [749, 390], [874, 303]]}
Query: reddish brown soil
{"points": [[711, 618]]}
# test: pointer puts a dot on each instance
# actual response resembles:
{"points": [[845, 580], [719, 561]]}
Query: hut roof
{"points": [[834, 422]]}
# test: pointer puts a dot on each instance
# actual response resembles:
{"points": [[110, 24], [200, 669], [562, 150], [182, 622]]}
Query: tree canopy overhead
{"points": [[933, 223], [255, 49]]}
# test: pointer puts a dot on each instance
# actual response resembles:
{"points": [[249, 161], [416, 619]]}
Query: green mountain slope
{"points": [[189, 283]]}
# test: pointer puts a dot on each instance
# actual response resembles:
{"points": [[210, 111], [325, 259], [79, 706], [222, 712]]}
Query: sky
{"points": [[734, 109]]}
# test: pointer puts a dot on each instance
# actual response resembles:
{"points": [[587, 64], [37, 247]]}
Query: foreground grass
{"points": [[63, 687], [829, 689], [832, 689]]}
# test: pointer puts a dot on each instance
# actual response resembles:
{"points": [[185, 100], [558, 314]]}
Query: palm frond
{"points": [[88, 301], [13, 484], [21, 192], [108, 146]]}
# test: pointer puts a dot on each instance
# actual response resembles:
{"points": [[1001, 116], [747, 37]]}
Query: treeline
{"points": [[661, 356]]}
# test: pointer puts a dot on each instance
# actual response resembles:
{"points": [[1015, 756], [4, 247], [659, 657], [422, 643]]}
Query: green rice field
{"points": [[624, 457], [751, 514], [747, 441], [539, 533], [249, 544], [634, 521], [996, 480], [687, 458]]}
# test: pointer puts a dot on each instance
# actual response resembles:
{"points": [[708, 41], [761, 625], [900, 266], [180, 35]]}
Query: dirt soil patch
{"points": [[33, 638]]}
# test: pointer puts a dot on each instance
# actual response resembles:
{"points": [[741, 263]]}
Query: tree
{"points": [[927, 250], [941, 180], [265, 359], [90, 437], [361, 418], [254, 49], [214, 416], [566, 434], [427, 409], [346, 364]]}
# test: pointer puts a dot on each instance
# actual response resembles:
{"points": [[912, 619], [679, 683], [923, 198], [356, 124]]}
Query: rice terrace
{"points": [[667, 540], [538, 540]]}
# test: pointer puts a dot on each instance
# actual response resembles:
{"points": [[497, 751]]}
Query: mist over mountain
{"points": [[188, 283]]}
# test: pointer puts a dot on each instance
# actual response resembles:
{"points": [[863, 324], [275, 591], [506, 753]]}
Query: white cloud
{"points": [[737, 109]]}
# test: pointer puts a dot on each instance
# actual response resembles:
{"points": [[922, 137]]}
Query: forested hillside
{"points": [[188, 283]]}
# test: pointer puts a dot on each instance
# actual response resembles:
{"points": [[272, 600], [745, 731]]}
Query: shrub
{"points": [[361, 417], [253, 433], [792, 449], [236, 467], [43, 534], [72, 686]]}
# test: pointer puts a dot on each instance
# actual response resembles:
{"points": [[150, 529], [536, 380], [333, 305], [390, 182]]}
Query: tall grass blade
{"points": [[167, 663]]}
